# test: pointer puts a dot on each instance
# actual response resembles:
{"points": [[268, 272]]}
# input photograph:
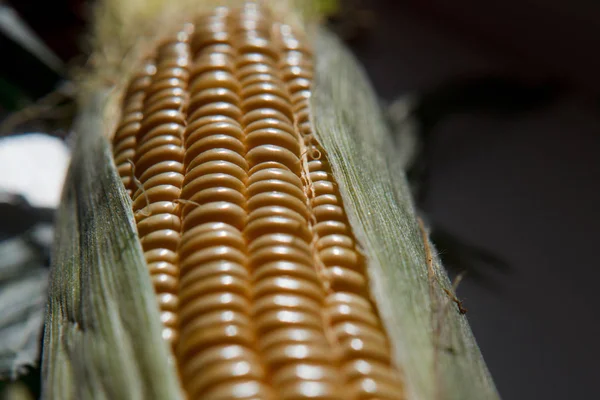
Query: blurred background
{"points": [[504, 98]]}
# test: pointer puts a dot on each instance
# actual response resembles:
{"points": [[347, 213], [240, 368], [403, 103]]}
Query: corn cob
{"points": [[269, 287], [258, 244]]}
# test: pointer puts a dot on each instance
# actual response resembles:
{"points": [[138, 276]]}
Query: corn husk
{"points": [[433, 343], [102, 337], [102, 334]]}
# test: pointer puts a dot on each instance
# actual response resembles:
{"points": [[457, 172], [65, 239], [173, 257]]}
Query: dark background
{"points": [[510, 112]]}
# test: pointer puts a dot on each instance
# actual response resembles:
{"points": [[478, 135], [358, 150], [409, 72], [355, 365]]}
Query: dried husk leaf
{"points": [[433, 343], [102, 334]]}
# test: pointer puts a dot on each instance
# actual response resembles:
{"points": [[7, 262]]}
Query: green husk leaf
{"points": [[102, 334], [433, 344]]}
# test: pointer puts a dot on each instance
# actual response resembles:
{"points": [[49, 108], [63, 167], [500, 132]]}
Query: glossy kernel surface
{"points": [[262, 290]]}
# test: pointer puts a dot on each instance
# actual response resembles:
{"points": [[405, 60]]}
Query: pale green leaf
{"points": [[102, 334], [433, 344]]}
